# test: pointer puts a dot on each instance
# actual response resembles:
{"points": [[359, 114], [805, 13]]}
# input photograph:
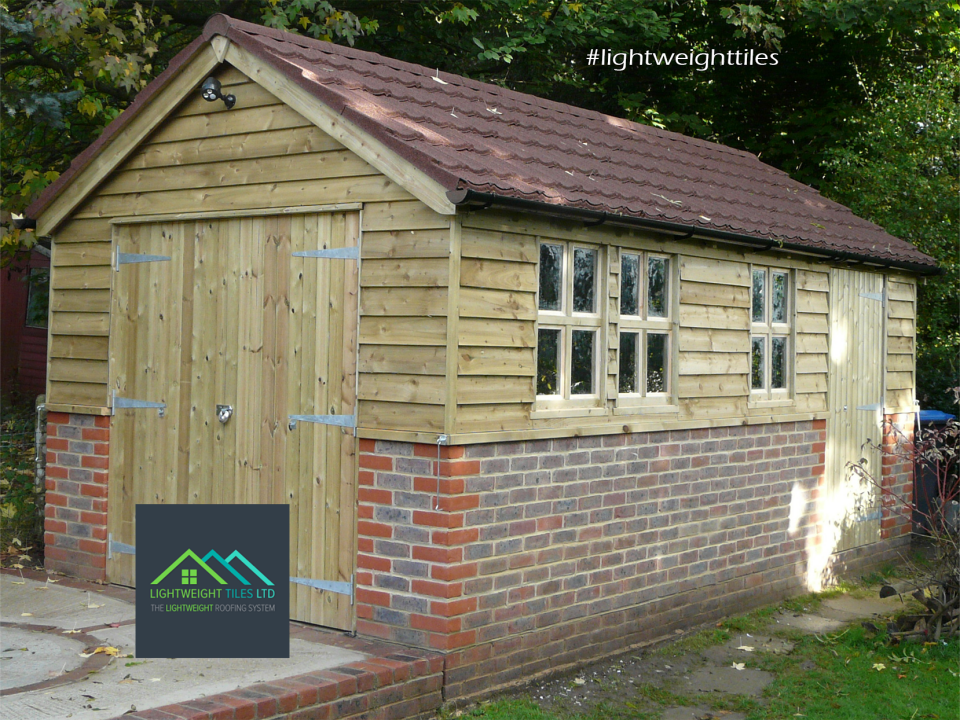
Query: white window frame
{"points": [[567, 321], [767, 329], [643, 324]]}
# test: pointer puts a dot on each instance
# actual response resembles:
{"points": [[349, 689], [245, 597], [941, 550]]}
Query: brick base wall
{"points": [[897, 476], [538, 555], [75, 515]]}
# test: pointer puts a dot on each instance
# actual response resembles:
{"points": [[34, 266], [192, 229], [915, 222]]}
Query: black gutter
{"points": [[467, 198]]}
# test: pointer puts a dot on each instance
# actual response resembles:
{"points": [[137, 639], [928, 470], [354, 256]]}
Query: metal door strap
{"points": [[115, 546], [122, 403], [341, 588], [349, 421]]}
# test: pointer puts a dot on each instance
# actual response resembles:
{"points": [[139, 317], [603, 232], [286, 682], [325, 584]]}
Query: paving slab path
{"points": [[723, 671], [41, 624]]}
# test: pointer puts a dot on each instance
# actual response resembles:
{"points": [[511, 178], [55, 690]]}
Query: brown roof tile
{"points": [[470, 136]]}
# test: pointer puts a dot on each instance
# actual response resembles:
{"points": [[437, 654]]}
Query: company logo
{"points": [[233, 601], [188, 576]]}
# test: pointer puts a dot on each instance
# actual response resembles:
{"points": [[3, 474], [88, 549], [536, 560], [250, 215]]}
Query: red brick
{"points": [[94, 461], [365, 477], [374, 495], [447, 452], [95, 434], [376, 462], [93, 518], [54, 526], [453, 572], [462, 536], [436, 519], [373, 597], [435, 589], [54, 443], [448, 486], [101, 449], [459, 468], [57, 418], [374, 529], [367, 445], [93, 490], [93, 546], [459, 502], [449, 608], [365, 544], [437, 554], [103, 421], [55, 471], [365, 512], [372, 562], [101, 477], [435, 624], [56, 499]]}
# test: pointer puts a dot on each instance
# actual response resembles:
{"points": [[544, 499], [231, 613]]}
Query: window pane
{"points": [[628, 362], [756, 374], [657, 287], [38, 297], [548, 362], [581, 376], [779, 297], [778, 363], [630, 285], [551, 272], [584, 279], [759, 280], [656, 363]]}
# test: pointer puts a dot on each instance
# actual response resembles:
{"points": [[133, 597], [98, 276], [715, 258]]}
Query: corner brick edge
{"points": [[403, 684]]}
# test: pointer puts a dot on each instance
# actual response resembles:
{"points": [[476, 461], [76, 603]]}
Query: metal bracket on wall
{"points": [[341, 588], [346, 253], [122, 402], [349, 421], [875, 406], [872, 296], [115, 546], [131, 258]]}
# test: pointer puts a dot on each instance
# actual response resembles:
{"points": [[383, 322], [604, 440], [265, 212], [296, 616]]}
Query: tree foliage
{"points": [[901, 169], [845, 68]]}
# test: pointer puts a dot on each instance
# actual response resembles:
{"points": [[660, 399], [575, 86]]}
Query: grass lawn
{"points": [[852, 674]]}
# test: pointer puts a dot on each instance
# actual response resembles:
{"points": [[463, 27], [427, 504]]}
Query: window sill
{"points": [[567, 412], [778, 403], [646, 410]]}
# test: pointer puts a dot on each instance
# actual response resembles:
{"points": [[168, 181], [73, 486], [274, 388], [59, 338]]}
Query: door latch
{"points": [[224, 413]]}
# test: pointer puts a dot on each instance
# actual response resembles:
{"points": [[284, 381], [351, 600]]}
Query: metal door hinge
{"points": [[873, 296], [122, 402], [349, 421], [341, 588], [346, 253], [131, 258], [115, 546]]}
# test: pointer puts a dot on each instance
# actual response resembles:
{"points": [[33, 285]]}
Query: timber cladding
{"points": [[203, 158]]}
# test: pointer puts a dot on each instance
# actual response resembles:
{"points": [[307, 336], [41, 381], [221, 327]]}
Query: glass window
{"points": [[656, 363], [584, 280], [657, 287], [551, 277], [779, 297], [757, 366], [581, 379], [548, 362], [630, 284], [778, 363], [568, 335], [759, 281], [770, 332], [629, 362], [38, 297]]}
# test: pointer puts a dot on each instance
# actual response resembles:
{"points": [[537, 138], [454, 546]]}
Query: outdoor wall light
{"points": [[211, 92]]}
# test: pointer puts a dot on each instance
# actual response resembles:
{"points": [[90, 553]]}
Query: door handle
{"points": [[224, 413]]}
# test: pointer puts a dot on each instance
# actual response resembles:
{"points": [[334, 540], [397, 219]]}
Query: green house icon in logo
{"points": [[188, 576]]}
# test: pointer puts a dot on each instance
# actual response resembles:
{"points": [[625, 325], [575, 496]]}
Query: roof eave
{"points": [[466, 198]]}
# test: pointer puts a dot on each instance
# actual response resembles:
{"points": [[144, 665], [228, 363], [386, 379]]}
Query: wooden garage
{"points": [[393, 298]]}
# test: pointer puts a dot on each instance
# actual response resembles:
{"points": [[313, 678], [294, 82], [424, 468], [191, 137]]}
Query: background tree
{"points": [[845, 71]]}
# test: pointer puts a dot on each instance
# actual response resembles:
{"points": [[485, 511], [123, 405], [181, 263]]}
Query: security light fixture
{"points": [[210, 90]]}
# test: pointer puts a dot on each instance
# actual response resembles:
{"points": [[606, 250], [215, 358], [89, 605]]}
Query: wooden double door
{"points": [[222, 323]]}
